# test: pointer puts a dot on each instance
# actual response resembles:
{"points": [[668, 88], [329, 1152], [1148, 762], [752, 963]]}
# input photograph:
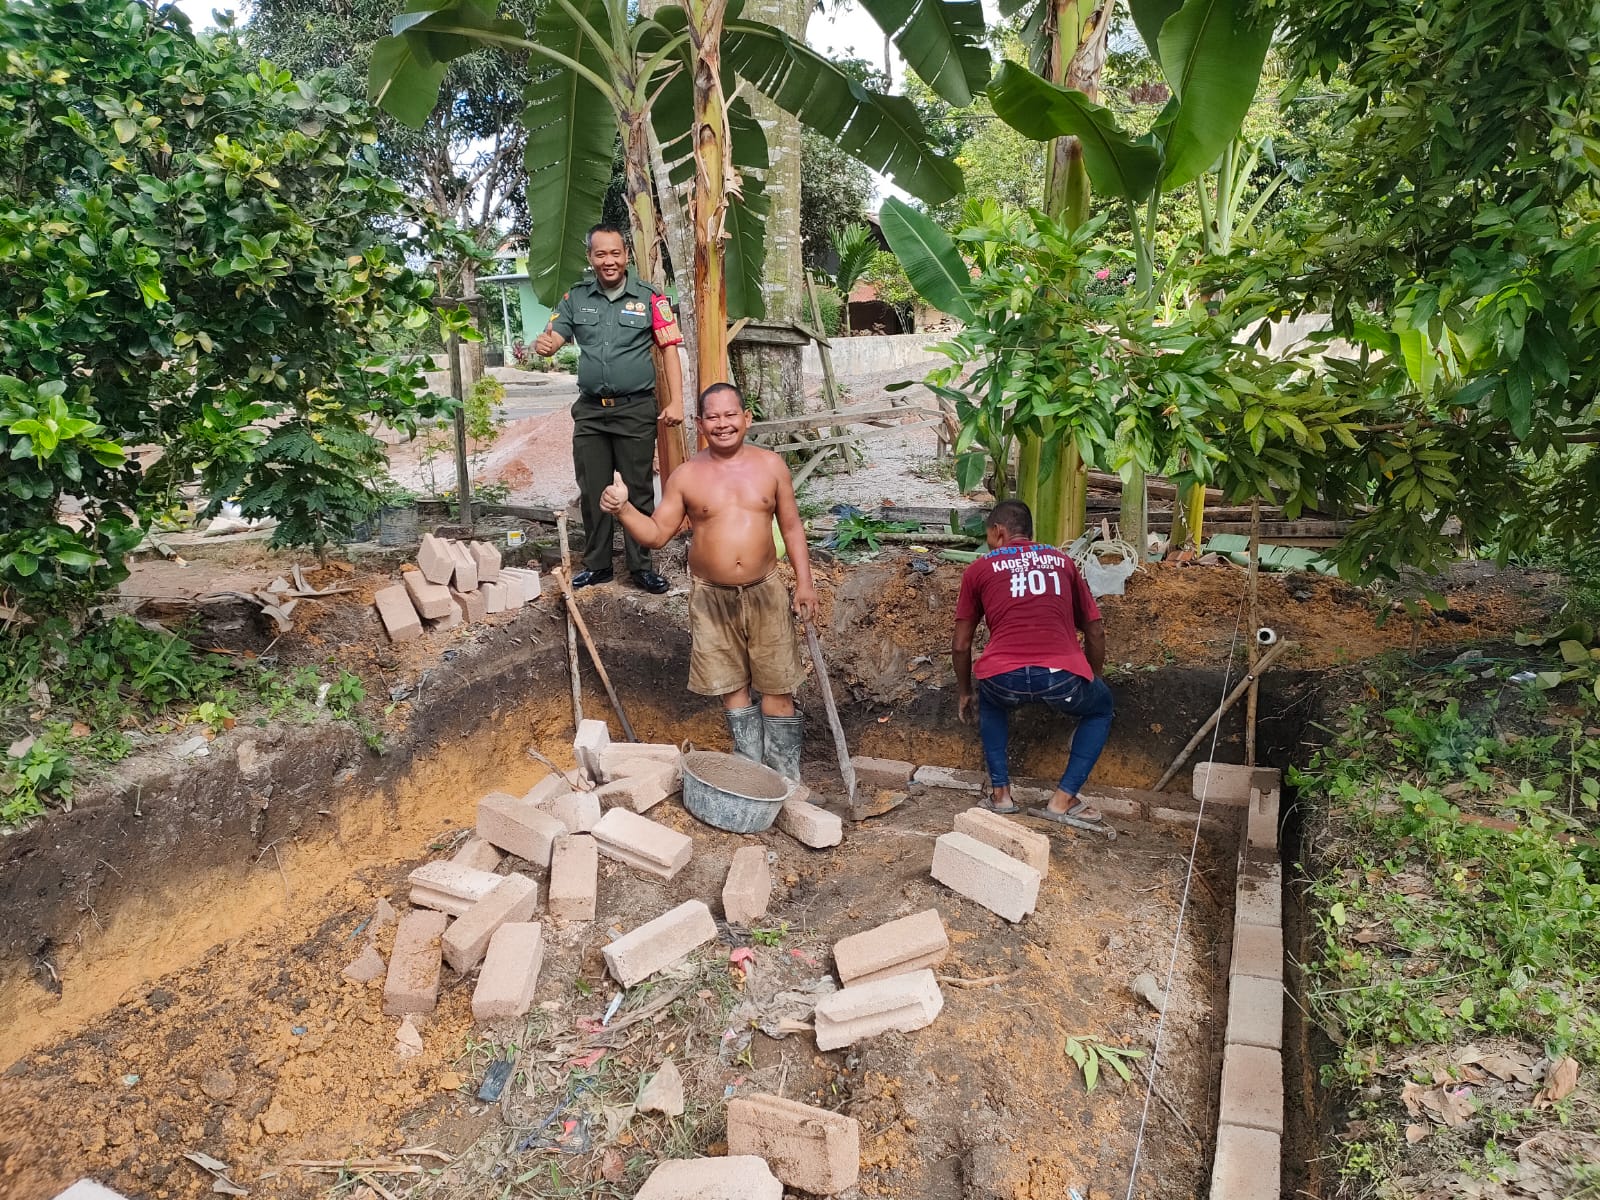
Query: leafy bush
{"points": [[483, 405], [888, 279], [831, 305], [201, 256], [1474, 144], [26, 784]]}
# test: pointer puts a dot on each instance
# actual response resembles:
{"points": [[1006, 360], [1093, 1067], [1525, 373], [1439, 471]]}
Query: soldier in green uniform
{"points": [[615, 318]]}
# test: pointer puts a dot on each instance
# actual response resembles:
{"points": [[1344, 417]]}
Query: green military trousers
{"points": [[621, 438]]}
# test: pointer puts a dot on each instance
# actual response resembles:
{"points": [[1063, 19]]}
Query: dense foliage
{"points": [[1044, 356], [1461, 254], [197, 254], [465, 162]]}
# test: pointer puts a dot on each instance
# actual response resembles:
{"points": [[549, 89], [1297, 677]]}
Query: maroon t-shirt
{"points": [[1035, 602]]}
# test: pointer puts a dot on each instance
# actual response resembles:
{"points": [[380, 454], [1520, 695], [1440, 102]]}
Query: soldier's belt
{"points": [[614, 401]]}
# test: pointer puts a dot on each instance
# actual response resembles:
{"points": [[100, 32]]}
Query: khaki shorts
{"points": [[743, 635]]}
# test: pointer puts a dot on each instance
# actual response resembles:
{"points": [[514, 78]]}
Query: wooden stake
{"points": [[463, 481], [594, 655], [1261, 667], [830, 385], [1253, 648], [847, 768], [572, 631]]}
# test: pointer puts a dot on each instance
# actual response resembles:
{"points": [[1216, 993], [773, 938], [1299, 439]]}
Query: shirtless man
{"points": [[738, 605]]}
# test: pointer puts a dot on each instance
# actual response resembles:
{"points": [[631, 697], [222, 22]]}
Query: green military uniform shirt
{"points": [[615, 336]]}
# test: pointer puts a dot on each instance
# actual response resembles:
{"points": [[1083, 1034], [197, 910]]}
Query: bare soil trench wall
{"points": [[261, 787], [294, 822]]}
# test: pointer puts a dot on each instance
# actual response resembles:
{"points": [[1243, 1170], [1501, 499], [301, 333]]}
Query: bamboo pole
{"points": [[572, 632], [1260, 668]]}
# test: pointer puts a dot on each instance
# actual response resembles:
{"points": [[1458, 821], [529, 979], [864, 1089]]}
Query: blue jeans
{"points": [[1087, 699]]}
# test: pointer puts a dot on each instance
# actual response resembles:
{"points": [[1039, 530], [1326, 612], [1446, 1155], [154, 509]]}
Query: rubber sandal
{"points": [[988, 805], [1073, 816]]}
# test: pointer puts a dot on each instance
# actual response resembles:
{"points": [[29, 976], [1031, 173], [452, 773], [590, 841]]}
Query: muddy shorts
{"points": [[743, 635]]}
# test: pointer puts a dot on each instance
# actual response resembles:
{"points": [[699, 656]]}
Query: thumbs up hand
{"points": [[615, 496]]}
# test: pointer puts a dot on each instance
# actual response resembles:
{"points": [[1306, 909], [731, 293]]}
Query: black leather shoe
{"points": [[585, 578], [651, 582]]}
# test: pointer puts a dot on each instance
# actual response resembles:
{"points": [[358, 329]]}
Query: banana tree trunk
{"points": [[709, 207], [772, 373], [671, 448], [1077, 32], [1057, 501], [679, 239], [1188, 518]]}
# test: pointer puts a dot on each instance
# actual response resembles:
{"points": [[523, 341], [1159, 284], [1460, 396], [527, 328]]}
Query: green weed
{"points": [[1091, 1054], [1437, 925], [42, 775], [344, 693], [868, 531], [772, 936], [86, 694]]}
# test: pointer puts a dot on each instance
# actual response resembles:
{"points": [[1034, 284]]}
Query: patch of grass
{"points": [[86, 694], [1439, 928], [808, 505], [680, 1016]]}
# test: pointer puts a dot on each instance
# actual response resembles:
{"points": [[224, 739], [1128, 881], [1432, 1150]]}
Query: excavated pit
{"points": [[195, 919]]}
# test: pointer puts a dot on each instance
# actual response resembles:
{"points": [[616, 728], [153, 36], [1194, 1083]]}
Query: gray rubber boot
{"points": [[745, 726], [781, 738]]}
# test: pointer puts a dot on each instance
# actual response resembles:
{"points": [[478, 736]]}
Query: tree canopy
{"points": [[465, 161], [1459, 248], [201, 257]]}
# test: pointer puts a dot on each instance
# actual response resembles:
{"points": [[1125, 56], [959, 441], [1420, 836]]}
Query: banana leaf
{"points": [[1118, 165], [884, 133], [1211, 52], [943, 41], [928, 257]]}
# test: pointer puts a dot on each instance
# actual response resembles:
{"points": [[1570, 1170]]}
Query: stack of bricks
{"points": [[888, 982], [634, 775], [1250, 1119], [993, 861], [492, 912], [453, 583], [913, 943], [894, 1004]]}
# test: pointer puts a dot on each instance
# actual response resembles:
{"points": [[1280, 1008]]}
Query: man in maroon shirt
{"points": [[1036, 604]]}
